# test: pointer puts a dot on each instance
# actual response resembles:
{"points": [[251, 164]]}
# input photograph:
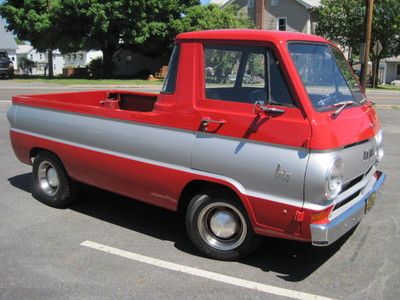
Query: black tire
{"points": [[51, 183], [220, 242]]}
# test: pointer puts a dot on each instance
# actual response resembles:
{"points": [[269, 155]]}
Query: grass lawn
{"points": [[389, 87], [73, 81]]}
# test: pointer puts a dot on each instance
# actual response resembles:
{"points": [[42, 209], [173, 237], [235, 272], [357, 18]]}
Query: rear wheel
{"points": [[51, 183], [218, 226]]}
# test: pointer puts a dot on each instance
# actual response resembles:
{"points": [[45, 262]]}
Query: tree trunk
{"points": [[108, 65], [375, 71], [376, 74], [50, 62]]}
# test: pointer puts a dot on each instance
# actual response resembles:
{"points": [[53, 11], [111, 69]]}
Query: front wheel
{"points": [[51, 183], [217, 224]]}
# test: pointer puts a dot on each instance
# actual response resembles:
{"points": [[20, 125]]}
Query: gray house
{"points": [[7, 43], [285, 15], [391, 69]]}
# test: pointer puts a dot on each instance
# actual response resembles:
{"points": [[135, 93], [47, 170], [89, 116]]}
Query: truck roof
{"points": [[250, 35]]}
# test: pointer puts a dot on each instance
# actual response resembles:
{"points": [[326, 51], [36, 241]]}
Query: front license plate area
{"points": [[370, 202]]}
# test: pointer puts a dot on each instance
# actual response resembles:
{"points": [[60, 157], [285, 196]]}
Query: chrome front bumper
{"points": [[326, 234]]}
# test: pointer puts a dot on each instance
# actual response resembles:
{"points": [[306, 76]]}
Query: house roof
{"points": [[219, 2], [307, 3], [395, 59], [24, 49], [310, 3], [7, 40]]}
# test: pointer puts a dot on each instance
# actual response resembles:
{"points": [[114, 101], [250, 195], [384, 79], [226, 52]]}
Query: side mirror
{"points": [[259, 108]]}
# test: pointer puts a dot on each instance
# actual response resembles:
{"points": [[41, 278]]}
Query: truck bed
{"points": [[93, 102]]}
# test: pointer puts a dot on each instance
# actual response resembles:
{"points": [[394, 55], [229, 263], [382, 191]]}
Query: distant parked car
{"points": [[6, 66]]}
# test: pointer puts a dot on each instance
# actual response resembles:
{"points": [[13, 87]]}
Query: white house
{"points": [[41, 60], [8, 44], [81, 58]]}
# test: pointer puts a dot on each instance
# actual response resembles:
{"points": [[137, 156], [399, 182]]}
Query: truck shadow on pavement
{"points": [[292, 261]]}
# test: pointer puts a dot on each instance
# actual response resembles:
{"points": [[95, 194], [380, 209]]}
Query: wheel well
{"points": [[35, 151], [194, 187]]}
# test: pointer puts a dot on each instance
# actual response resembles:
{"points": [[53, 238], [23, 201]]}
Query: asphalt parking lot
{"points": [[107, 246]]}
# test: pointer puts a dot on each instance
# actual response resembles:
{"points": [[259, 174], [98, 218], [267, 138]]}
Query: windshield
{"points": [[326, 75]]}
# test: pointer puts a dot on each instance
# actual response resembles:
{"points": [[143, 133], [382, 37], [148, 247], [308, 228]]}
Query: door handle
{"points": [[210, 125]]}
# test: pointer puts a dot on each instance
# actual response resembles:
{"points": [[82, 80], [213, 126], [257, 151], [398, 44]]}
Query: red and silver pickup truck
{"points": [[255, 133]]}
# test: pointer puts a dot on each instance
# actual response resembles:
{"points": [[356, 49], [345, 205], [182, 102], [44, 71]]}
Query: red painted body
{"points": [[299, 126]]}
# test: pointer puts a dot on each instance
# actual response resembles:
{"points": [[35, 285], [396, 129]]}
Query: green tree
{"points": [[25, 64], [141, 25], [203, 17], [343, 22], [33, 21], [207, 17], [193, 18]]}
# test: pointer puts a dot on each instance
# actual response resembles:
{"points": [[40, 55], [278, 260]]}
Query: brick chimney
{"points": [[260, 14]]}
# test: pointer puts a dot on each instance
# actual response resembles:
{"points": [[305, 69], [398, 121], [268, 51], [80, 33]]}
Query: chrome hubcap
{"points": [[48, 178], [222, 226]]}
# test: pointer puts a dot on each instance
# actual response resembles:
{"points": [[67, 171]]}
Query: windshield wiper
{"points": [[341, 106]]}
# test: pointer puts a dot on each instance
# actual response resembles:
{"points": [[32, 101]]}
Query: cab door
{"points": [[250, 128]]}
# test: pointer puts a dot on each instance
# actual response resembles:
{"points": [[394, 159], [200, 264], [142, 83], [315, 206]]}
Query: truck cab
{"points": [[255, 133]]}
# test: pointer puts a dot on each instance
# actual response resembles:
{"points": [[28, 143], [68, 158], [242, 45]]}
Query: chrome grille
{"points": [[353, 188]]}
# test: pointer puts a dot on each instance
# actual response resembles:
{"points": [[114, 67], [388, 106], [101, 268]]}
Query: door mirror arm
{"points": [[260, 108]]}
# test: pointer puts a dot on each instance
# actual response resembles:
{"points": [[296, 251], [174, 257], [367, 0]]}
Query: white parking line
{"points": [[5, 101], [260, 287]]}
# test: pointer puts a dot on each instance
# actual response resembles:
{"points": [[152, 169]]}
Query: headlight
{"points": [[334, 179], [379, 145]]}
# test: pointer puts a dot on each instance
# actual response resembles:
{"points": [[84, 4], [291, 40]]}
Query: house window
{"points": [[398, 70], [274, 2], [250, 3], [31, 56], [281, 24], [40, 56]]}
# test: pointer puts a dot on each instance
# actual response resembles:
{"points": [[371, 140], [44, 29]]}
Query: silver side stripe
{"points": [[235, 183], [135, 158]]}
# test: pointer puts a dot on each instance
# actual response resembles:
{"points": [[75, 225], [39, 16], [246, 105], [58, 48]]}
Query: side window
{"points": [[254, 76], [279, 90], [244, 74], [170, 80], [221, 68]]}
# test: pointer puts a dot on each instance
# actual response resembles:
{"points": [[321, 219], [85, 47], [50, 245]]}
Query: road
{"points": [[107, 246]]}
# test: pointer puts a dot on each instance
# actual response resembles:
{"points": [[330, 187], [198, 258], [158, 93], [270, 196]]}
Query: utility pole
{"points": [[50, 51], [368, 32]]}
